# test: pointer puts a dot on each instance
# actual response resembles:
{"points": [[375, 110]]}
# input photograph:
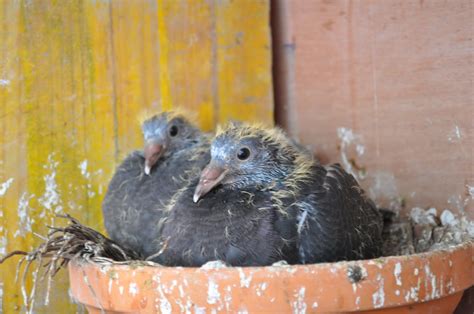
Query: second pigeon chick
{"points": [[175, 151], [261, 199]]}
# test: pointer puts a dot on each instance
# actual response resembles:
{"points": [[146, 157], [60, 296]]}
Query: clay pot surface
{"points": [[431, 282]]}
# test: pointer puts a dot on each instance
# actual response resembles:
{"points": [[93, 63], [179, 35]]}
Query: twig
{"points": [[59, 247]]}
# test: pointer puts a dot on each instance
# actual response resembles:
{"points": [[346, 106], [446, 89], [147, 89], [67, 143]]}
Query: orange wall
{"points": [[395, 78]]}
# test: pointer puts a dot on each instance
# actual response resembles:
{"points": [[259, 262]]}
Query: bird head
{"points": [[245, 155], [165, 134]]}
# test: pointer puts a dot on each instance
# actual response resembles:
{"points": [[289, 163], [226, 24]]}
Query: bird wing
{"points": [[118, 205], [336, 220]]}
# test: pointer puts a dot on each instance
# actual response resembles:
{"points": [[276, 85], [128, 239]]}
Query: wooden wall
{"points": [[386, 88], [74, 75]]}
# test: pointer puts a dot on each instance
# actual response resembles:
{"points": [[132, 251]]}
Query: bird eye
{"points": [[243, 153], [173, 130]]}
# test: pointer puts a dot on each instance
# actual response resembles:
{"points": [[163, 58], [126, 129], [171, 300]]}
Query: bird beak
{"points": [[153, 152], [211, 176]]}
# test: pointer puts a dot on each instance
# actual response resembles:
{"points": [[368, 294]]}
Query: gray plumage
{"points": [[134, 202], [336, 219], [262, 199], [237, 226]]}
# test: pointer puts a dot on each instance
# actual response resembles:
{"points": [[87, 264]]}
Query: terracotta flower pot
{"points": [[421, 283]]}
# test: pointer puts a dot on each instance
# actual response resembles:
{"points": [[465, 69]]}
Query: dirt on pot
{"points": [[424, 230]]}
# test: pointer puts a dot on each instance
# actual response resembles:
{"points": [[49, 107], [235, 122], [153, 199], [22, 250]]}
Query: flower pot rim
{"points": [[147, 264], [376, 283]]}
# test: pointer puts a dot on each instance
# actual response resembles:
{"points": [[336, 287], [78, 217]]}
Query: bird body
{"points": [[134, 202], [239, 227], [336, 221], [297, 209]]}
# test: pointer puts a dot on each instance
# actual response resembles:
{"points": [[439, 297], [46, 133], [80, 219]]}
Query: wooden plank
{"points": [[243, 59], [13, 160], [185, 46], [75, 75], [398, 74]]}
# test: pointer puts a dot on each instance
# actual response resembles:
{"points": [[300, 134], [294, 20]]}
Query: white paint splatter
{"points": [[345, 135], [432, 278], [458, 202], [455, 135], [199, 310], [413, 293], [470, 190], [378, 298], [244, 281], [4, 82], [121, 290], [213, 295], [133, 289], [83, 166], [261, 288], [299, 306], [348, 137], [360, 149], [110, 285], [449, 286], [1, 295], [434, 291], [51, 199], [315, 305], [90, 193], [165, 305], [5, 186], [397, 271], [181, 291], [228, 298], [383, 186], [169, 289], [3, 245], [24, 225], [182, 307]]}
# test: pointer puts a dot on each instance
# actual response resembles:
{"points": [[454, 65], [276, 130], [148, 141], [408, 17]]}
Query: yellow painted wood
{"points": [[74, 76], [243, 59], [186, 57]]}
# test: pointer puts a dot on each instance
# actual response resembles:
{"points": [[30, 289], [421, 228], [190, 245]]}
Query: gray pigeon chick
{"points": [[232, 212], [261, 199], [175, 151]]}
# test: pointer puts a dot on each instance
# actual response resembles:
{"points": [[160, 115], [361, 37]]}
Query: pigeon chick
{"points": [[261, 198], [239, 221], [175, 151]]}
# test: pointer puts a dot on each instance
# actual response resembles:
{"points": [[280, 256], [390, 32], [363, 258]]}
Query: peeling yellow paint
{"points": [[243, 52], [74, 76]]}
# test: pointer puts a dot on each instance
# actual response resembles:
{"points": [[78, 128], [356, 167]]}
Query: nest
{"points": [[75, 241]]}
